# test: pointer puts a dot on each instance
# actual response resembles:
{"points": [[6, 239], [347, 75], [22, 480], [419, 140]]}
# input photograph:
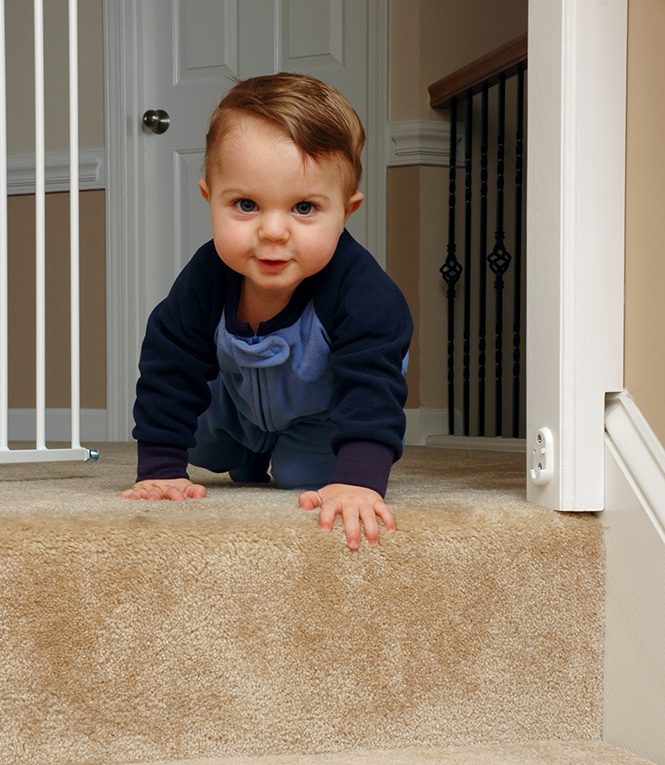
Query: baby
{"points": [[282, 345]]}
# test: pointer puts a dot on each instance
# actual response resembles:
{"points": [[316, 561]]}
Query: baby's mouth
{"points": [[271, 264]]}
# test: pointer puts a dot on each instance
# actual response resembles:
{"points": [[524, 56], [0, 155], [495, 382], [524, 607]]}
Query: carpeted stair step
{"points": [[134, 632], [528, 753]]}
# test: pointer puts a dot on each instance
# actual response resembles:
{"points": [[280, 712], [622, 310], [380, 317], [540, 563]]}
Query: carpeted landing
{"points": [[235, 631]]}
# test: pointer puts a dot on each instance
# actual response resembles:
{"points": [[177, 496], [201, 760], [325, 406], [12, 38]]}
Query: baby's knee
{"points": [[309, 471]]}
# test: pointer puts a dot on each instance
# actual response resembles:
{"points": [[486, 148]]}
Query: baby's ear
{"points": [[203, 188], [354, 202]]}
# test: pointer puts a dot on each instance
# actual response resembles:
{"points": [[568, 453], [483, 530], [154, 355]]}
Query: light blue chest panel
{"points": [[277, 378]]}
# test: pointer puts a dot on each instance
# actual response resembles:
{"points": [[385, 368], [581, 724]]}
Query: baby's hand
{"points": [[165, 488], [354, 504]]}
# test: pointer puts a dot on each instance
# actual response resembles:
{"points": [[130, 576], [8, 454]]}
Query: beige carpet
{"points": [[527, 753], [138, 632]]}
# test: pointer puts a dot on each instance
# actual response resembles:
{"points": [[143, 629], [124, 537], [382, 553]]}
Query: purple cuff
{"points": [[364, 463], [161, 461]]}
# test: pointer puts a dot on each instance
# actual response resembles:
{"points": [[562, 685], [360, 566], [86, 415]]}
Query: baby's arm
{"points": [[178, 359], [355, 504], [165, 488]]}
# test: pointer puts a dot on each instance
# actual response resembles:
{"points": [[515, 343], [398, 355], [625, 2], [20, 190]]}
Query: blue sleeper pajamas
{"points": [[271, 401], [317, 392]]}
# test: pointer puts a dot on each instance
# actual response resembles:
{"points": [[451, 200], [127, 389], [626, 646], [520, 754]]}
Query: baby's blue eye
{"points": [[246, 205], [304, 208]]}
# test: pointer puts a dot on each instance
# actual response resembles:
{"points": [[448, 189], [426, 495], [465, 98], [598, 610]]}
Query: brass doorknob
{"points": [[156, 121]]}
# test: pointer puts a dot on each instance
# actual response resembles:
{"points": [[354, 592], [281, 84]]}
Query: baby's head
{"points": [[315, 116]]}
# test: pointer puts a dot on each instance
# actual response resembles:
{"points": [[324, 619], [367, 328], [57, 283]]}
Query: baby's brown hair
{"points": [[315, 116]]}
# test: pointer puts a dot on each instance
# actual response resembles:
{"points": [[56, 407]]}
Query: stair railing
{"points": [[484, 80], [40, 452]]}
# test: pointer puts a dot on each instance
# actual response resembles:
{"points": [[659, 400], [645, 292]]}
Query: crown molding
{"points": [[21, 171], [421, 142]]}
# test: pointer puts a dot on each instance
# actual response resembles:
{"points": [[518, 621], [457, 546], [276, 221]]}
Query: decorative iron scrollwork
{"points": [[451, 271]]}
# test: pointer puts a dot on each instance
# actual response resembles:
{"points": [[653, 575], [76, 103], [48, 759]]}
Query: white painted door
{"points": [[192, 50], [181, 56]]}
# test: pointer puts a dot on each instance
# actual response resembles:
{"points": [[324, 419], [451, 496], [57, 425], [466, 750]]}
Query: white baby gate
{"points": [[40, 452]]}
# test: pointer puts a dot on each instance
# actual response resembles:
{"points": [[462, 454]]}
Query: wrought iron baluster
{"points": [[468, 181], [482, 321], [499, 259], [451, 269], [488, 74], [517, 305]]}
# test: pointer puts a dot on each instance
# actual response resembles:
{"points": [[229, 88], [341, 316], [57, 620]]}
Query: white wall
{"points": [[634, 701]]}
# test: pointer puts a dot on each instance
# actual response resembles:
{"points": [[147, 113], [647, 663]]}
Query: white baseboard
{"points": [[477, 443], [22, 424], [422, 423], [428, 426]]}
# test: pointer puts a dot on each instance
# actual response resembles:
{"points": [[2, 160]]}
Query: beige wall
{"points": [[645, 211], [22, 300], [21, 209], [429, 39], [20, 75], [432, 38]]}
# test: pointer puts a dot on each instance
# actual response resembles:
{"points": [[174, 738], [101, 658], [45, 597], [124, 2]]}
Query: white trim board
{"points": [[640, 454], [21, 171], [575, 231]]}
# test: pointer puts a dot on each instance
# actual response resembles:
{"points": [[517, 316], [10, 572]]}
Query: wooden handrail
{"points": [[504, 59]]}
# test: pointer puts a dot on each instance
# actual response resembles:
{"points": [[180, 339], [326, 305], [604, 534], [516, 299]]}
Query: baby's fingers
{"points": [[195, 491], [384, 512], [137, 492], [329, 510], [370, 525], [309, 500], [351, 519], [176, 489]]}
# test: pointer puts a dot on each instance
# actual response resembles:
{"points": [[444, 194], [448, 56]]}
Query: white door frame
{"points": [[124, 204], [575, 234]]}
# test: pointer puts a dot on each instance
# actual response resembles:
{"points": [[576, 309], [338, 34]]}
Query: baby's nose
{"points": [[274, 227]]}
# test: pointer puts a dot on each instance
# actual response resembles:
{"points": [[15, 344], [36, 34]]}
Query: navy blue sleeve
{"points": [[370, 328], [178, 358]]}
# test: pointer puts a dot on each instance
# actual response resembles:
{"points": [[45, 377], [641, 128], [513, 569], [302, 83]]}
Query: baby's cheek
{"points": [[229, 242], [321, 247]]}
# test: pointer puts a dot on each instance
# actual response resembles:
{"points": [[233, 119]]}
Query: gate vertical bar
{"points": [[74, 226], [4, 291], [468, 188], [517, 304], [40, 230]]}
